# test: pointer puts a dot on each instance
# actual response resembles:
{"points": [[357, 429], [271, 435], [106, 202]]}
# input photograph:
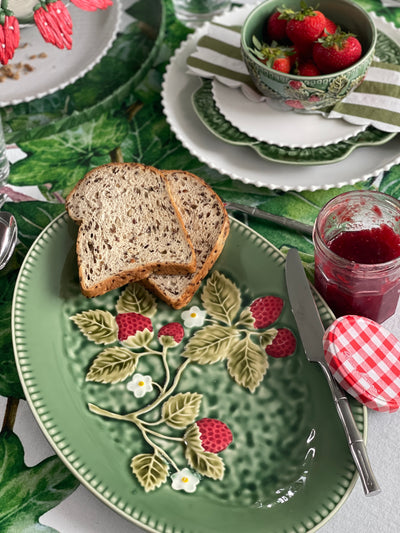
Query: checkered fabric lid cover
{"points": [[364, 358]]}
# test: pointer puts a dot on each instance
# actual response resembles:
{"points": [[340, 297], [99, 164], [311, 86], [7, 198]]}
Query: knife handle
{"points": [[354, 437]]}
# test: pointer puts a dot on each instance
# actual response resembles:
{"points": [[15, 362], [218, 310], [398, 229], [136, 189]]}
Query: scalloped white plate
{"points": [[266, 124], [93, 35], [241, 163]]}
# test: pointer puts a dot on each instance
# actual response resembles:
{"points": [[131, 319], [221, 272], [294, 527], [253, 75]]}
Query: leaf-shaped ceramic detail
{"points": [[206, 463], [98, 326], [267, 337], [112, 365], [247, 363], [150, 470], [182, 409], [139, 340], [221, 298], [338, 85], [210, 344], [246, 318], [136, 299]]}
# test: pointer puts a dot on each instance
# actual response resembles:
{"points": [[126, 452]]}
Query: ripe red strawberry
{"points": [[173, 330], [284, 344], [130, 323], [335, 52], [266, 310], [330, 27], [276, 57], [215, 436], [306, 25], [275, 28], [308, 68]]}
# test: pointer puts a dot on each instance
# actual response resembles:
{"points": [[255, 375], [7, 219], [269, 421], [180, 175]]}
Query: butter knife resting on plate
{"points": [[311, 332]]}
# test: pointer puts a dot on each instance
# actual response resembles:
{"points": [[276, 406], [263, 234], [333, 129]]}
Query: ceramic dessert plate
{"points": [[208, 112], [241, 162], [50, 68], [124, 418]]}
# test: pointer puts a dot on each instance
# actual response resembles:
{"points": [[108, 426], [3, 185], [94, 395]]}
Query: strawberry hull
{"points": [[304, 92]]}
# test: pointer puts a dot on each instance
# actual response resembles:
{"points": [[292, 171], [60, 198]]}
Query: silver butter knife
{"points": [[289, 223], [311, 332]]}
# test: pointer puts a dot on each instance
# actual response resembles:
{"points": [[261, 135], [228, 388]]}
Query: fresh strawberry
{"points": [[130, 323], [215, 436], [276, 57], [173, 332], [275, 28], [266, 310], [284, 344], [337, 51], [306, 25], [307, 68], [330, 27]]}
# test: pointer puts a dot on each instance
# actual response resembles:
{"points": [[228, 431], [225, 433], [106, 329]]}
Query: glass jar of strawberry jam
{"points": [[357, 254]]}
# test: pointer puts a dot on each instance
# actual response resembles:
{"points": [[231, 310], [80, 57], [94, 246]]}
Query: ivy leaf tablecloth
{"points": [[114, 113]]}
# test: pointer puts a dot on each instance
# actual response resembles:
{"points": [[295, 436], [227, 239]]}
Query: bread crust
{"points": [[138, 271], [202, 269]]}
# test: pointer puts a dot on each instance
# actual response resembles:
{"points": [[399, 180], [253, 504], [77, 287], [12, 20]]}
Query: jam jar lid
{"points": [[364, 358]]}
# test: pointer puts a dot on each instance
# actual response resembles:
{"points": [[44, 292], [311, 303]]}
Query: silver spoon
{"points": [[8, 237]]}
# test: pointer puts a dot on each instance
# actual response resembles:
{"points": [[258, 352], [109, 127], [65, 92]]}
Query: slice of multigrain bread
{"points": [[207, 222], [129, 227]]}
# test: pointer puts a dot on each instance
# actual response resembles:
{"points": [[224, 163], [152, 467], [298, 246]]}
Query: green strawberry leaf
{"points": [[181, 410], [267, 337], [97, 325], [206, 463], [28, 492], [221, 298], [150, 470], [210, 344], [112, 365], [247, 363], [136, 299]]}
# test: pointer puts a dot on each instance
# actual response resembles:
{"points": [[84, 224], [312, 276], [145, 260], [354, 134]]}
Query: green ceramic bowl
{"points": [[312, 92]]}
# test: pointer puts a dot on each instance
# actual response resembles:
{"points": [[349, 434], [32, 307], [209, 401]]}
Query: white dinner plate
{"points": [[240, 162], [53, 68]]}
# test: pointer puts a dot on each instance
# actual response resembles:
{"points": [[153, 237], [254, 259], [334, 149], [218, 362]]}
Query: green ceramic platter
{"points": [[288, 468], [209, 114]]}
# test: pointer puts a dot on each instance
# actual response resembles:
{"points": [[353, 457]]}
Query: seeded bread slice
{"points": [[129, 227], [207, 222]]}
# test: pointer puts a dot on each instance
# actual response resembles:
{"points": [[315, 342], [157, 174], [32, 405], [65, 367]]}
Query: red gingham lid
{"points": [[364, 358]]}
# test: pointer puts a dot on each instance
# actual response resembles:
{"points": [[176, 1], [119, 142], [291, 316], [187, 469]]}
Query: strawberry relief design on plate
{"points": [[219, 331]]}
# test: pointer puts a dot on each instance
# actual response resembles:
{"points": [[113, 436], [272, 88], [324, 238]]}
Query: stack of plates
{"points": [[267, 147]]}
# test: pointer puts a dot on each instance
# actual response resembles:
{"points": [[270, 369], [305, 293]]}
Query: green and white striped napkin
{"points": [[375, 102]]}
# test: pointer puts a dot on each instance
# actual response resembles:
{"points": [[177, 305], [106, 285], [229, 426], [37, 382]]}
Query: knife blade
{"points": [[311, 331]]}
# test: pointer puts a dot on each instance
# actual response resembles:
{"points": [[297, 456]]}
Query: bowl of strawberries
{"points": [[309, 58]]}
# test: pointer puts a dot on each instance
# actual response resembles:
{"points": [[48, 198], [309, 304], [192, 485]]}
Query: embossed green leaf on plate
{"points": [[288, 466]]}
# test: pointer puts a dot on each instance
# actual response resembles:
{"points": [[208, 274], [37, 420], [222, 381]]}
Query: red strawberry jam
{"points": [[357, 291], [368, 246]]}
